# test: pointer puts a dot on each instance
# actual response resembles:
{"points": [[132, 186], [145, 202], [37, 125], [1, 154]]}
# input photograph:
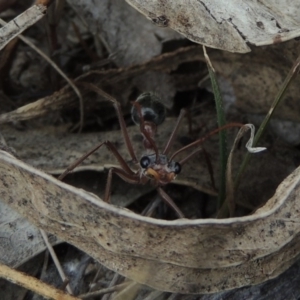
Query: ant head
{"points": [[151, 109], [161, 171]]}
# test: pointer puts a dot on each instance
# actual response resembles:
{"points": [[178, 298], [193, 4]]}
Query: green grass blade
{"points": [[278, 99], [222, 134]]}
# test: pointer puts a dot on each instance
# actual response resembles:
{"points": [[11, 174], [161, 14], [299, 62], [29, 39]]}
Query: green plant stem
{"points": [[291, 75], [222, 134]]}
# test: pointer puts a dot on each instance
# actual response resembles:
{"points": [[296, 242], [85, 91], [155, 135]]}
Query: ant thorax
{"points": [[159, 169]]}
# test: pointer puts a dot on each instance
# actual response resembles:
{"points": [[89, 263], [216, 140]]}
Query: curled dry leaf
{"points": [[228, 27], [186, 256], [52, 150]]}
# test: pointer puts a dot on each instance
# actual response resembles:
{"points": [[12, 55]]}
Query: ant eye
{"points": [[152, 109], [145, 162], [177, 168]]}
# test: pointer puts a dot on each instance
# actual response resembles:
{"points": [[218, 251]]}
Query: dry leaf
{"points": [[123, 30], [65, 98], [18, 234], [192, 256], [256, 78], [231, 26]]}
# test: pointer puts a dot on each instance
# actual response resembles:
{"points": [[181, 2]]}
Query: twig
{"points": [[154, 295], [56, 261], [111, 289], [24, 20], [129, 292], [111, 284], [56, 67], [33, 284]]}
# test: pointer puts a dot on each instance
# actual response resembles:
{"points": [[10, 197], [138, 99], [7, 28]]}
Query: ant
{"points": [[147, 112]]}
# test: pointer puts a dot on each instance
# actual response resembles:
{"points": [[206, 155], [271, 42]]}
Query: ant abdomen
{"points": [[152, 109]]}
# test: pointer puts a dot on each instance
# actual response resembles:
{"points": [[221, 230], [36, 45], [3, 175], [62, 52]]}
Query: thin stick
{"points": [[92, 284], [148, 211], [229, 180], [45, 264], [154, 295], [111, 289], [56, 67], [111, 284], [170, 202], [56, 261], [129, 292], [33, 284]]}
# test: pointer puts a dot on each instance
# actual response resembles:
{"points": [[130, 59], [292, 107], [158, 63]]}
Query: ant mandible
{"points": [[147, 112]]}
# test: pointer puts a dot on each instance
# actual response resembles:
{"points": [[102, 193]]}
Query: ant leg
{"points": [[170, 202], [130, 178], [176, 127], [118, 109], [110, 147], [135, 179]]}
